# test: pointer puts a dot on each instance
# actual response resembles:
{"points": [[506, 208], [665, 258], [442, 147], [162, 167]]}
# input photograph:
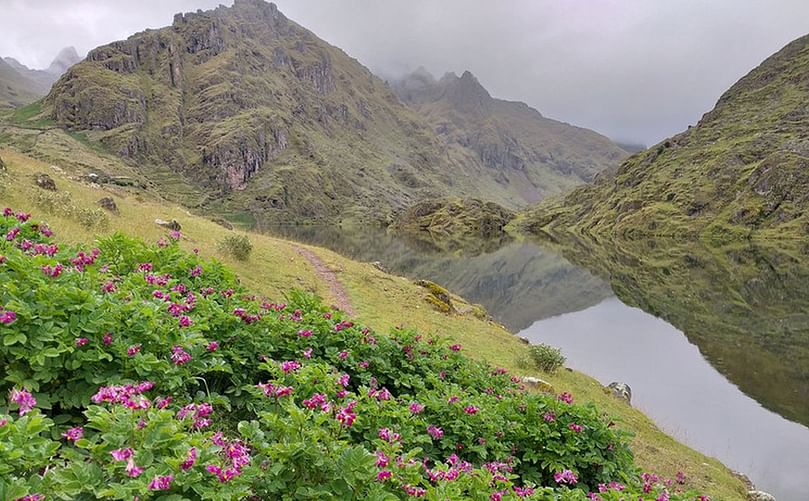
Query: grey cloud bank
{"points": [[635, 70]]}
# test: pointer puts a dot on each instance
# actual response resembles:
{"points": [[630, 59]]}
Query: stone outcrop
{"points": [[45, 181], [108, 204], [621, 390]]}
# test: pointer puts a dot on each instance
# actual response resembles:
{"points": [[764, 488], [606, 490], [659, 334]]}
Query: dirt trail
{"points": [[338, 292]]}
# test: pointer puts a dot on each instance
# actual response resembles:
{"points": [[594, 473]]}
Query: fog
{"points": [[635, 70]]}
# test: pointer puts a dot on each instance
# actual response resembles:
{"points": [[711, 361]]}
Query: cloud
{"points": [[634, 70]]}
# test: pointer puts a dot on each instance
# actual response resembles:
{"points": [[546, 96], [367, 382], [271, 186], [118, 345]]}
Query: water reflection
{"points": [[682, 392], [518, 283]]}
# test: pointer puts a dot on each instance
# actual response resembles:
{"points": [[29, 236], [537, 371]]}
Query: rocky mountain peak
{"points": [[466, 93], [66, 58]]}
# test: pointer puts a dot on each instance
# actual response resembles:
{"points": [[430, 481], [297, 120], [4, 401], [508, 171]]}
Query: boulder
{"points": [[379, 266], [539, 384], [755, 495], [45, 182], [2, 164], [621, 390], [169, 225], [524, 340], [108, 203]]}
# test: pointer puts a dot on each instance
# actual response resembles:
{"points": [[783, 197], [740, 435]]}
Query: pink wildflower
{"points": [[565, 477], [179, 356], [24, 399], [290, 366], [73, 434], [470, 409], [435, 431], [133, 350], [416, 408], [185, 321], [7, 317], [132, 469], [575, 427], [190, 459], [122, 454], [161, 483], [383, 475], [81, 341], [566, 398], [213, 346], [107, 339]]}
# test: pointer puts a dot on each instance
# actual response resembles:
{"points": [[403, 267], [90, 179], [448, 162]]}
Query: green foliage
{"points": [[237, 246], [546, 357], [61, 203], [154, 373]]}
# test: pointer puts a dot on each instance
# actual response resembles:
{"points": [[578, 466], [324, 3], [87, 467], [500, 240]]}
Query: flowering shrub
{"points": [[138, 371]]}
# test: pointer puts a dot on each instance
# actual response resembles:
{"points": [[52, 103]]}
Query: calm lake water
{"points": [[717, 353]]}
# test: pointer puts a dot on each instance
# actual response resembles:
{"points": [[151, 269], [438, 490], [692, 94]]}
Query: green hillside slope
{"points": [[743, 168]]}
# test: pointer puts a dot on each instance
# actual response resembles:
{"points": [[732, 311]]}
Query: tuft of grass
{"points": [[237, 246]]}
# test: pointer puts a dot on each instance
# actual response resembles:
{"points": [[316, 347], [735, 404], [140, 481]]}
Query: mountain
{"points": [[742, 170], [533, 154], [15, 89], [267, 123], [38, 82]]}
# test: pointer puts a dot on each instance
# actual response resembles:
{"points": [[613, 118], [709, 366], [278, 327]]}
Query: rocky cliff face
{"points": [[258, 114], [514, 142]]}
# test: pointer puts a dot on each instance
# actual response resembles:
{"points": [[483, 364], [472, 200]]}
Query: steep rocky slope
{"points": [[260, 116], [266, 122], [743, 168], [520, 148]]}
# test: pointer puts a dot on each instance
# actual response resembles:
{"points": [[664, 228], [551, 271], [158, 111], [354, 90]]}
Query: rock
{"points": [[169, 225], [621, 390], [439, 297], [108, 203], [45, 182], [540, 384], [379, 266], [759, 496], [524, 340], [96, 178], [2, 164], [224, 223]]}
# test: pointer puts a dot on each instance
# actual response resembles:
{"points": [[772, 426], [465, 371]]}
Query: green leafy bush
{"points": [[237, 246], [546, 357], [138, 370]]}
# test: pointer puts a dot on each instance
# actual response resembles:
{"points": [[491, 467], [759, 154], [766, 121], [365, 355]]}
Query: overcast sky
{"points": [[635, 70]]}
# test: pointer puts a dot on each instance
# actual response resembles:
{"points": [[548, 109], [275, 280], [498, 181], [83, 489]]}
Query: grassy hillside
{"points": [[381, 301], [743, 168], [534, 155]]}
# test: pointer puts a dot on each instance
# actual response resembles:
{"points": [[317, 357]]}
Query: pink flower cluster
{"points": [[346, 416], [81, 260], [53, 271], [127, 454], [161, 483], [270, 390], [199, 412], [246, 317], [24, 400], [179, 356], [73, 434], [127, 395], [236, 457], [565, 477], [317, 400], [7, 316]]}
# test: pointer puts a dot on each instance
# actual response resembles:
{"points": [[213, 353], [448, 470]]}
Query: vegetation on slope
{"points": [[381, 300], [162, 375], [743, 168]]}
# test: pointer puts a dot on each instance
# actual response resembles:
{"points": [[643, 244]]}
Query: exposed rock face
{"points": [[242, 93], [108, 204], [540, 384], [759, 496], [45, 182], [456, 218], [621, 390]]}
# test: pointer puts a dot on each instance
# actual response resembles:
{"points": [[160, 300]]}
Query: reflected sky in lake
{"points": [[672, 383]]}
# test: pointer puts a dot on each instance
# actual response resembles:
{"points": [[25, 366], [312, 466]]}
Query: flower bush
{"points": [[138, 371]]}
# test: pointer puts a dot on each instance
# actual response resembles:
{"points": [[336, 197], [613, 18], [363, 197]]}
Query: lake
{"points": [[713, 342]]}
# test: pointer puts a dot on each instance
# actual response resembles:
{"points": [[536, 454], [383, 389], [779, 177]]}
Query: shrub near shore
{"points": [[142, 370]]}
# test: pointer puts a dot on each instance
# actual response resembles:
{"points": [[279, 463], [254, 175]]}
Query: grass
{"points": [[380, 300]]}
